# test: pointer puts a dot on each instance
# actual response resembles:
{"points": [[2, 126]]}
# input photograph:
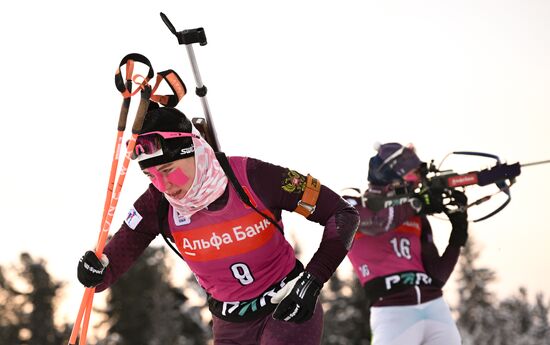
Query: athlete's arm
{"points": [[280, 189], [137, 231], [438, 267], [376, 223]]}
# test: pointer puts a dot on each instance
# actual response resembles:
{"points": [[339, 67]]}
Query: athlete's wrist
{"points": [[297, 299]]}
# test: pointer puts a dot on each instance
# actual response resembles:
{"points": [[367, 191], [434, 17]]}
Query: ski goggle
{"points": [[412, 176], [149, 145]]}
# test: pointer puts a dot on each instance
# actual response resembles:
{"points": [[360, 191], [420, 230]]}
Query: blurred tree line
{"points": [[145, 308]]}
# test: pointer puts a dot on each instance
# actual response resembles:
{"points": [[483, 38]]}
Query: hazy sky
{"points": [[310, 85]]}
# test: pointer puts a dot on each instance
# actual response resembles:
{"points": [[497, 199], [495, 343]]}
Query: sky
{"points": [[309, 85]]}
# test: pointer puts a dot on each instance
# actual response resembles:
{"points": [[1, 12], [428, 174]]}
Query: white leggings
{"points": [[428, 323]]}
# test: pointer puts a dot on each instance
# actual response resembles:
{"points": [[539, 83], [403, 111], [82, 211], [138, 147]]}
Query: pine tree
{"points": [[28, 309], [476, 311], [39, 321], [521, 323], [483, 320], [540, 329], [144, 308], [346, 313], [10, 311]]}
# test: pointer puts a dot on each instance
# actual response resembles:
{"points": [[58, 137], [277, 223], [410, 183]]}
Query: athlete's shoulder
{"points": [[150, 199], [257, 169], [233, 160], [144, 214]]}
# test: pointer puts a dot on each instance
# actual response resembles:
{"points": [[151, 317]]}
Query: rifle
{"points": [[187, 37], [444, 182]]}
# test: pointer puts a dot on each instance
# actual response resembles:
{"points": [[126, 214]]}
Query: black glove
{"points": [[297, 299], [91, 270], [431, 201], [459, 219]]}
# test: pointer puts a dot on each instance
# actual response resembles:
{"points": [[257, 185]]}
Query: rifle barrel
{"points": [[535, 163]]}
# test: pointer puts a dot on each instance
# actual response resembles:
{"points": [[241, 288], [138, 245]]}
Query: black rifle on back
{"points": [[187, 37]]}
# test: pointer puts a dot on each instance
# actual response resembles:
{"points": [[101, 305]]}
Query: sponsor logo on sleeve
{"points": [[133, 218]]}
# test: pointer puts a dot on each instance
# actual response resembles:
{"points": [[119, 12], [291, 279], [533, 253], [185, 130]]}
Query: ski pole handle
{"points": [[119, 82], [123, 116], [142, 110], [125, 88]]}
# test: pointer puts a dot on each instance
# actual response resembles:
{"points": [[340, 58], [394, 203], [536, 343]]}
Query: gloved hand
{"points": [[297, 299], [459, 219], [431, 202], [91, 270]]}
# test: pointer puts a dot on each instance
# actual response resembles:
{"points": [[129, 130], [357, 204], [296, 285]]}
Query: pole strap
{"points": [[129, 60], [176, 85]]}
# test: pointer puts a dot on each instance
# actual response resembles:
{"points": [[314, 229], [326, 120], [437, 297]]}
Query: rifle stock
{"points": [[206, 132]]}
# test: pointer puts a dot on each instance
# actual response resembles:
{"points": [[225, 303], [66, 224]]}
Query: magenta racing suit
{"points": [[238, 257], [402, 273]]}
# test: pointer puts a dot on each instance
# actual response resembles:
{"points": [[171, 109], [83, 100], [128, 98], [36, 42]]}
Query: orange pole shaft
{"points": [[111, 199], [87, 299], [112, 175], [106, 227], [108, 213], [86, 321], [114, 200], [76, 326]]}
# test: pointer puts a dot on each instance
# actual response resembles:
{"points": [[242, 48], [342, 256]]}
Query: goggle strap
{"points": [[154, 144]]}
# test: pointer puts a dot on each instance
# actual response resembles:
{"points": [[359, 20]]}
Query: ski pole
{"points": [[179, 90], [120, 131], [144, 104], [109, 211], [125, 89], [188, 37]]}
